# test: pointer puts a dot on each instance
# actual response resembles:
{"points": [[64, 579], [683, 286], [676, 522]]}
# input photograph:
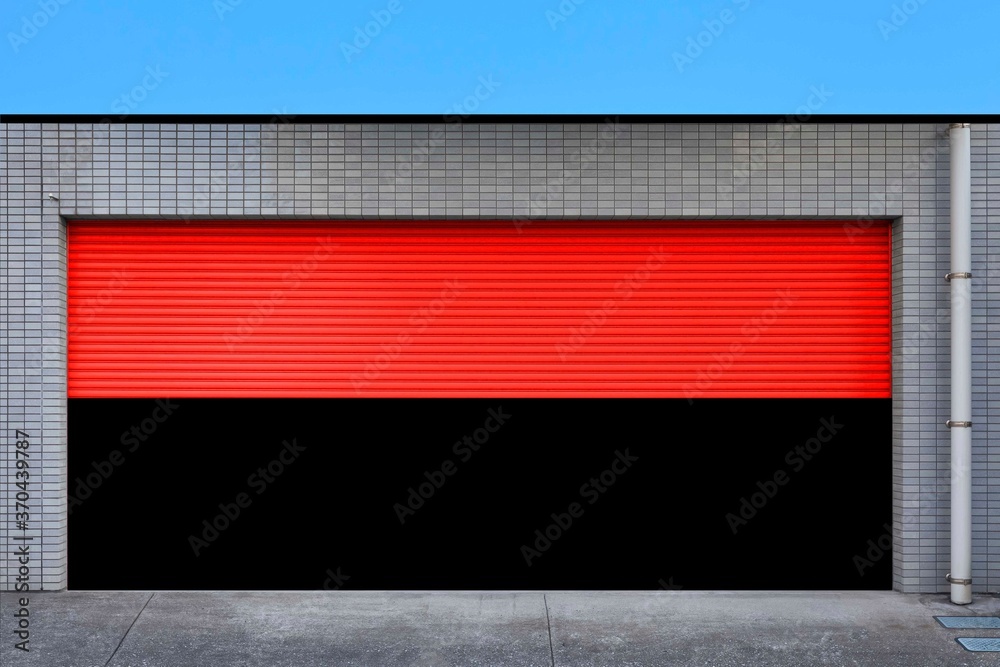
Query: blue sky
{"points": [[115, 57]]}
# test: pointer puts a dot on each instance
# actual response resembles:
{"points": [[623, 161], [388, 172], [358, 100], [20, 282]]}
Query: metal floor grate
{"points": [[969, 622], [980, 644]]}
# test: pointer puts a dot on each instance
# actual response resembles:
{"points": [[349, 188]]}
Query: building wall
{"points": [[612, 170]]}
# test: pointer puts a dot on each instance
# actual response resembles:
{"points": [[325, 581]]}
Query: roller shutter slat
{"points": [[155, 309]]}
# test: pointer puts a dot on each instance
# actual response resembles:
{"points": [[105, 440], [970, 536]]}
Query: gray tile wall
{"points": [[610, 170]]}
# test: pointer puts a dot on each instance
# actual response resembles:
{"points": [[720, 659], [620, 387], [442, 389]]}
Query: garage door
{"points": [[742, 309], [443, 405]]}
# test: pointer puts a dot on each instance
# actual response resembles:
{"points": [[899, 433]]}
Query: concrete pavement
{"points": [[306, 628]]}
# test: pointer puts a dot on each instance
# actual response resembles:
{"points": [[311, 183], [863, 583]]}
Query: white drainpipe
{"points": [[960, 424]]}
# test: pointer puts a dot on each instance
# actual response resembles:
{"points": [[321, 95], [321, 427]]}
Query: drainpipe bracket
{"points": [[961, 582], [952, 423], [957, 274]]}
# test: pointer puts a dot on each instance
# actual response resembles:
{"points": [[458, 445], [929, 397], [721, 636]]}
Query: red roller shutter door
{"points": [[452, 309]]}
